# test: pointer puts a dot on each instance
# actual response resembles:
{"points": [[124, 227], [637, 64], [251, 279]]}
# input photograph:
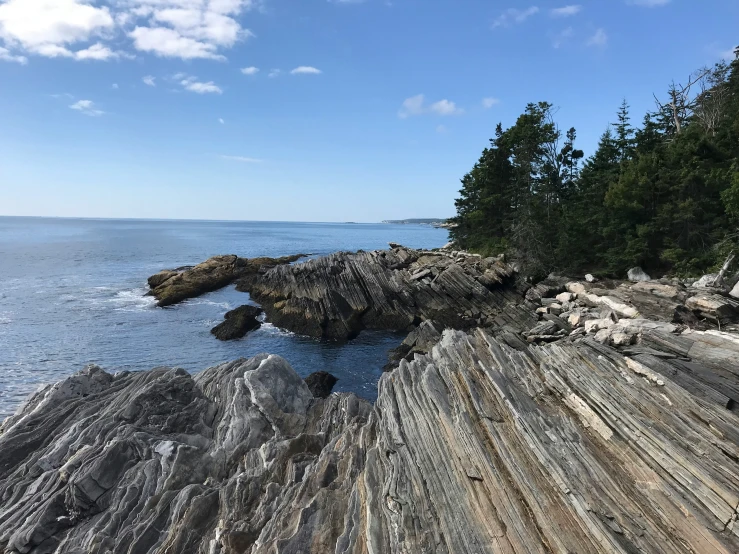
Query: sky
{"points": [[312, 110]]}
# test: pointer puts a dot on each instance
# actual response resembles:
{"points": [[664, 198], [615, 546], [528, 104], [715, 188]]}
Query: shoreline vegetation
{"points": [[663, 195], [541, 410]]}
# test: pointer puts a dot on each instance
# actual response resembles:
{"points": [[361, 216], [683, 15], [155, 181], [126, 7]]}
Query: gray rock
{"points": [[706, 281], [735, 291], [637, 274], [590, 278]]}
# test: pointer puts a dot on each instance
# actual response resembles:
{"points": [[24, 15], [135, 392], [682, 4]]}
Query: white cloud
{"points": [[188, 29], [566, 11], [168, 43], [193, 85], [6, 56], [242, 159], [599, 39], [97, 52], [513, 15], [446, 107], [560, 38], [274, 73], [46, 27], [87, 107], [649, 3], [415, 105], [488, 103], [220, 120], [305, 70], [250, 70], [149, 80], [412, 106], [114, 86]]}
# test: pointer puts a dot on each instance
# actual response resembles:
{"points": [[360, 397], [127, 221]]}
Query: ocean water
{"points": [[72, 292]]}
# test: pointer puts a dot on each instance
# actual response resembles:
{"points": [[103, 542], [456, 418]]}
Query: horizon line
{"points": [[92, 218]]}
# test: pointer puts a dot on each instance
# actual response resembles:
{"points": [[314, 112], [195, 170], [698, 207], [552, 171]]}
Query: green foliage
{"points": [[664, 196]]}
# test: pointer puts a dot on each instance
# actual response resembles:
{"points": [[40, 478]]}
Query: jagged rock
{"points": [[474, 447], [238, 323], [337, 296], [548, 288], [595, 325], [565, 297], [735, 291], [321, 383], [172, 286], [418, 341], [636, 274]]}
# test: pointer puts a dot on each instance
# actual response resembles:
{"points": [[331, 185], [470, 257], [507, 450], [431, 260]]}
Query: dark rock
{"points": [[419, 341], [238, 323], [321, 383], [173, 286]]}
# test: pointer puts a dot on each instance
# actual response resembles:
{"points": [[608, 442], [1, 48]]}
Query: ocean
{"points": [[72, 292]]}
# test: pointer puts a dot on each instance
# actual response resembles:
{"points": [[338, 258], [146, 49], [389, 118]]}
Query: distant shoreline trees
{"points": [[664, 196]]}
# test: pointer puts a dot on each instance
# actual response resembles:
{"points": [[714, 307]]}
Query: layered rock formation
{"points": [[171, 286], [475, 447], [337, 296]]}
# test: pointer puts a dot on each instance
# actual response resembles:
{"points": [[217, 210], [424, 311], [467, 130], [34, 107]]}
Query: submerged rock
{"points": [[238, 323], [321, 383]]}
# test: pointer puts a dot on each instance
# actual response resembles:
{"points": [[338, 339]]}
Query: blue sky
{"points": [[311, 110]]}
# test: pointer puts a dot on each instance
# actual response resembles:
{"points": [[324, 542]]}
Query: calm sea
{"points": [[72, 293]]}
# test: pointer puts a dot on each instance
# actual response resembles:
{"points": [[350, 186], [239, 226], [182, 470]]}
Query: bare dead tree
{"points": [[681, 103], [712, 100]]}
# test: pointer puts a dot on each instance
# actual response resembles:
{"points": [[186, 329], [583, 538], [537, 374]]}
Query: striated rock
{"points": [[172, 286], [337, 296], [418, 341], [720, 309], [636, 274], [238, 323], [321, 383], [706, 281], [474, 447]]}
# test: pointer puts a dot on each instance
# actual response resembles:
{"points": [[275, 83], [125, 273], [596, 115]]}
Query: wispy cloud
{"points": [[446, 107], [729, 54], [599, 39], [563, 36], [566, 11], [250, 70], [648, 3], [306, 70], [149, 80], [114, 86], [6, 56], [274, 73], [87, 107], [441, 129], [513, 15], [242, 159], [416, 105], [488, 103], [193, 85], [220, 120]]}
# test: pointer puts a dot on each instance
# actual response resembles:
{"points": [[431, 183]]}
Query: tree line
{"points": [[663, 195]]}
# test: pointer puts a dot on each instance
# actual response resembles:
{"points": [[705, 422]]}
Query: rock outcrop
{"points": [[474, 447], [321, 383], [171, 286], [337, 296], [237, 323]]}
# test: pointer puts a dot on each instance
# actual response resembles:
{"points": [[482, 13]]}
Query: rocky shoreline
{"points": [[571, 416]]}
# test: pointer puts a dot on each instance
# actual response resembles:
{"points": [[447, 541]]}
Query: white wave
{"points": [[133, 300], [272, 330], [223, 305]]}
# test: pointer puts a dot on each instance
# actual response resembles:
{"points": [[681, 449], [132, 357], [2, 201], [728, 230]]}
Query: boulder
{"points": [[637, 274], [321, 383], [706, 281], [565, 297], [590, 278], [717, 308], [238, 323], [595, 325], [735, 291]]}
